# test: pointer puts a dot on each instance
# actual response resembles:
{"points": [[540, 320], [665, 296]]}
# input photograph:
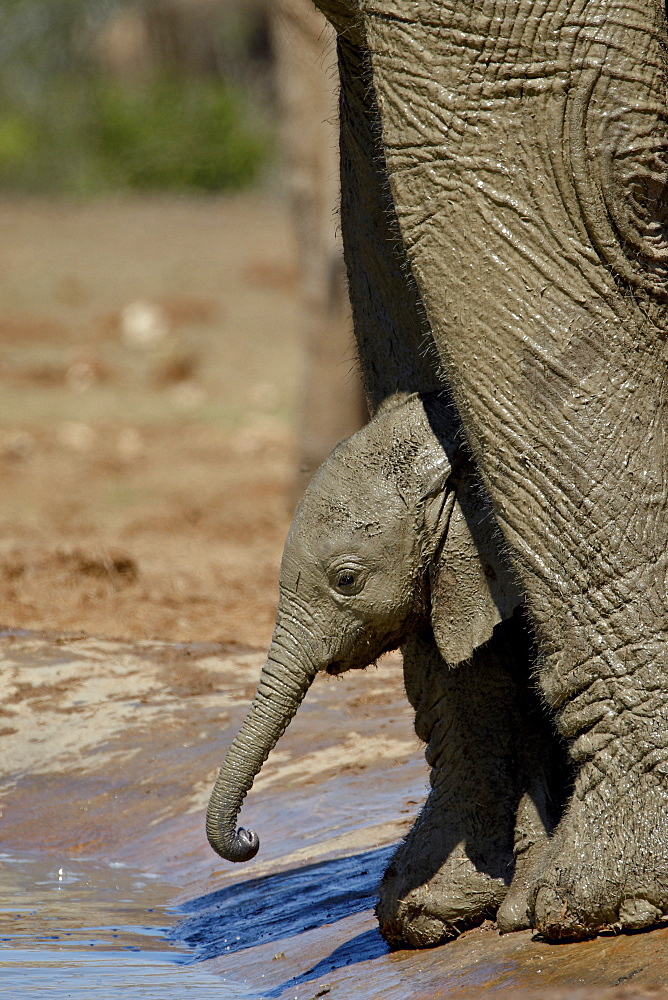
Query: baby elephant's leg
{"points": [[545, 777], [454, 867]]}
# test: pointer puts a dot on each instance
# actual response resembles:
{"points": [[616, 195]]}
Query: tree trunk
{"points": [[332, 404]]}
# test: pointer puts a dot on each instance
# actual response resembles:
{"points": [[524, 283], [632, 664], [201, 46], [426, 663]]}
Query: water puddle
{"points": [[75, 929], [284, 905], [72, 929]]}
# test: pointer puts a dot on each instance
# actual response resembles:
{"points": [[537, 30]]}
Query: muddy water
{"points": [[109, 752], [78, 928], [108, 887], [82, 928]]}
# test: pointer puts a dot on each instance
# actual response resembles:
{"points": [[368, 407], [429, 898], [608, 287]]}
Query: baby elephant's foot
{"points": [[457, 897], [429, 897], [514, 913], [536, 818], [606, 867]]}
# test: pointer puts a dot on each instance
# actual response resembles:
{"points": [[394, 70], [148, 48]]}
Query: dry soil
{"points": [[149, 365]]}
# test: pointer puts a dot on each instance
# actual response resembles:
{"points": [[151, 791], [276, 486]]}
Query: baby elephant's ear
{"points": [[472, 587]]}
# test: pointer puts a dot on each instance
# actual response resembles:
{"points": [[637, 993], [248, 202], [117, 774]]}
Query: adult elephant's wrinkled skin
{"points": [[506, 160], [392, 545]]}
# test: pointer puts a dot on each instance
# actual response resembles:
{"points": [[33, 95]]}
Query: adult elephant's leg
{"points": [[527, 147], [455, 866]]}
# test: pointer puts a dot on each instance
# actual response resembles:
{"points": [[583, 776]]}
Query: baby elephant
{"points": [[393, 545]]}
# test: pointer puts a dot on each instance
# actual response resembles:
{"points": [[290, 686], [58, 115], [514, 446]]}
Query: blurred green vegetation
{"points": [[96, 135], [68, 125]]}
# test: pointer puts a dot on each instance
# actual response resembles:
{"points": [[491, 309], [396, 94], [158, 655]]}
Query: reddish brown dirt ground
{"points": [[149, 366]]}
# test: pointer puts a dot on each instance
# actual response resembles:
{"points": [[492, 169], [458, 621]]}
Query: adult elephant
{"points": [[510, 157]]}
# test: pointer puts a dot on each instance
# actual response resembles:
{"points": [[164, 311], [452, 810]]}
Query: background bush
{"points": [[69, 125]]}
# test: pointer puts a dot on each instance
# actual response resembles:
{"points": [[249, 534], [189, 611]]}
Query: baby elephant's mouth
{"points": [[336, 668], [339, 667]]}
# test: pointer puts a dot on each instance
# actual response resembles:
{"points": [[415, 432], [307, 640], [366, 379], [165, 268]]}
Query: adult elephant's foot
{"points": [[607, 864], [436, 887]]}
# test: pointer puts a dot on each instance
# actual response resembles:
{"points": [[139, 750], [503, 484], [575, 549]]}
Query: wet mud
{"points": [[107, 884]]}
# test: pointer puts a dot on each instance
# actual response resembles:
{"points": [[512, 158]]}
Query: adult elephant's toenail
{"points": [[513, 914], [635, 914], [552, 917]]}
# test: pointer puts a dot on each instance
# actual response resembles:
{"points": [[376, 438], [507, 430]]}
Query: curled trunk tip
{"points": [[241, 846], [284, 682]]}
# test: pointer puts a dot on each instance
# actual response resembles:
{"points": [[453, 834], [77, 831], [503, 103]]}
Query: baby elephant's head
{"points": [[392, 535], [353, 577]]}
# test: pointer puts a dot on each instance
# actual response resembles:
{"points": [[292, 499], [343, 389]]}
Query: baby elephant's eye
{"points": [[347, 580]]}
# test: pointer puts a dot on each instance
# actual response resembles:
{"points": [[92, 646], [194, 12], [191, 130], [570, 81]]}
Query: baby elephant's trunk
{"points": [[283, 684]]}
